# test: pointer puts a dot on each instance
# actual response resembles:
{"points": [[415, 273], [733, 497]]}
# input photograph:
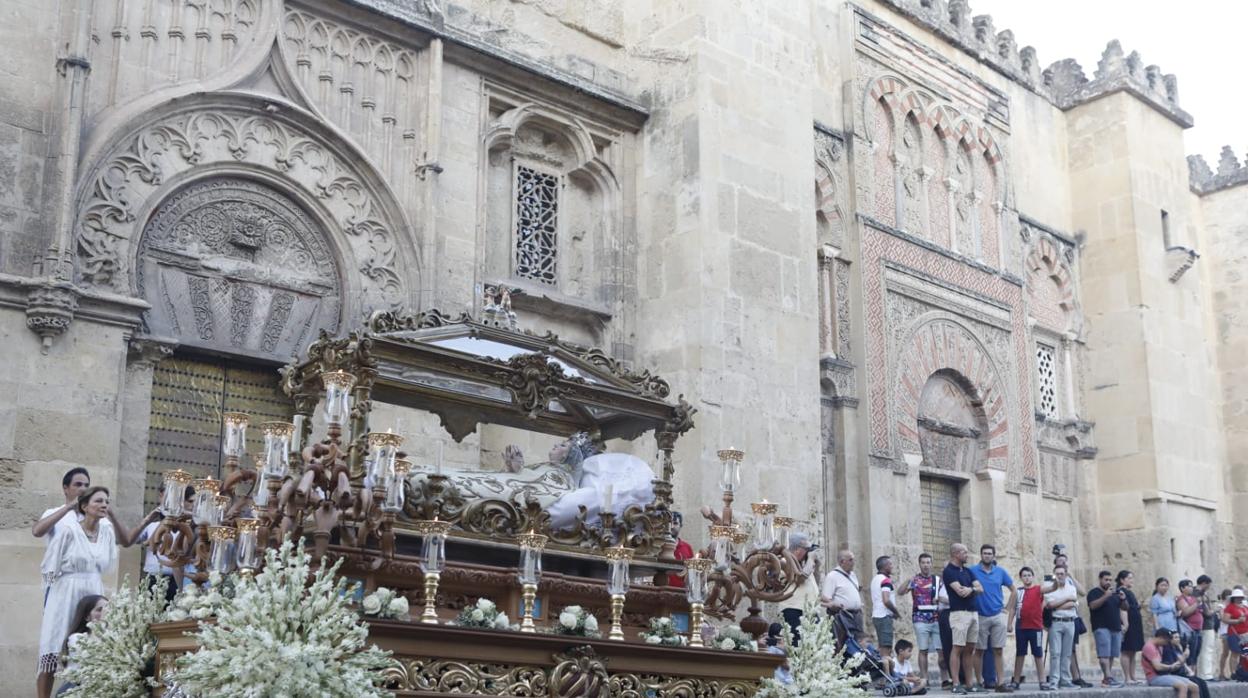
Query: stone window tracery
{"points": [[1046, 380], [537, 225]]}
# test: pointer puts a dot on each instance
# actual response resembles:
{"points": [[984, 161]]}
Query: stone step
{"points": [[1219, 689]]}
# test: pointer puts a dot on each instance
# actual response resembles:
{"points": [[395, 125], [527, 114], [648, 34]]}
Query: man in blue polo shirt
{"points": [[994, 624]]}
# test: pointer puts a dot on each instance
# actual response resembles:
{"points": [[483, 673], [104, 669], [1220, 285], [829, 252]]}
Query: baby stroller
{"points": [[874, 666]]}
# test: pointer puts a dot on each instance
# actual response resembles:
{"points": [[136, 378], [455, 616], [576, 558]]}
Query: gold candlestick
{"points": [[529, 596], [617, 613], [430, 614], [695, 625]]}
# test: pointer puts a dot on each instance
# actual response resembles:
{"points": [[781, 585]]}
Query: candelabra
{"points": [[756, 565], [618, 558], [432, 559], [696, 571], [531, 545]]}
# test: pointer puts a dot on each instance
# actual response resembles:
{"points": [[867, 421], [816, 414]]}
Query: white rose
{"points": [[372, 605], [477, 614], [591, 624], [568, 620], [665, 621], [726, 644], [177, 614], [501, 621], [653, 639], [399, 606], [201, 613], [485, 604]]}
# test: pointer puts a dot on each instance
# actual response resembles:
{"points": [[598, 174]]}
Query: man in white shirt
{"points": [[842, 596], [883, 610], [1062, 602], [792, 608], [56, 519]]}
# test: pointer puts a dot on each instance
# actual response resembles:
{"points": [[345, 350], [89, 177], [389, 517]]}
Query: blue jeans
{"points": [[1061, 644]]}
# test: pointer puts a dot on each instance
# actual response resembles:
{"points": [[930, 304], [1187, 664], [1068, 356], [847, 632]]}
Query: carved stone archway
{"points": [[234, 133], [939, 345], [233, 265]]}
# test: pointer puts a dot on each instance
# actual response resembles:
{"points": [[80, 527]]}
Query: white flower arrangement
{"points": [[483, 614], [195, 604], [575, 620], [384, 603], [816, 664], [111, 659], [288, 631], [663, 632], [733, 638]]}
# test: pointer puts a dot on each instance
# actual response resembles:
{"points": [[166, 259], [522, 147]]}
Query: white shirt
{"points": [[60, 527], [1066, 593], [842, 589], [151, 562], [901, 668], [879, 583]]}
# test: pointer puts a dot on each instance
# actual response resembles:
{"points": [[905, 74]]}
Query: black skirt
{"points": [[1133, 639]]}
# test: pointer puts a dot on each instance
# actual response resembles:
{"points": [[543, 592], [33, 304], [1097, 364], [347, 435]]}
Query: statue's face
{"points": [[559, 452]]}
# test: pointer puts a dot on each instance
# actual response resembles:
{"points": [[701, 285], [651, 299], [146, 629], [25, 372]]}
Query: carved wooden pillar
{"points": [[663, 494]]}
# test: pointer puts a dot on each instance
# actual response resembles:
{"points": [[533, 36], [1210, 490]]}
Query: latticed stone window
{"points": [[537, 219], [1046, 379]]}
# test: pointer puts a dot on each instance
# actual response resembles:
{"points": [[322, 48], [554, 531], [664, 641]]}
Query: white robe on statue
{"points": [[628, 476], [72, 569]]}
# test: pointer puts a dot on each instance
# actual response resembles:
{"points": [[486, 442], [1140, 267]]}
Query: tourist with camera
{"points": [[1105, 608]]}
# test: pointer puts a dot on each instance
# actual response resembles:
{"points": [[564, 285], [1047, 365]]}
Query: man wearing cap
{"points": [[1235, 615], [808, 592]]}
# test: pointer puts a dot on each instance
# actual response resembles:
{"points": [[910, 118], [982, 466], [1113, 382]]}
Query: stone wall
{"points": [[877, 245]]}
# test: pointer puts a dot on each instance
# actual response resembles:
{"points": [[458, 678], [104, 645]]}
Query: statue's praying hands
{"points": [[513, 458]]}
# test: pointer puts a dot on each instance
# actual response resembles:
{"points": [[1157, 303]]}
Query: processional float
{"points": [[448, 538]]}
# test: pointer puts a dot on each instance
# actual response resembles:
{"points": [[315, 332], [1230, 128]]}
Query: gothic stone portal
{"points": [[232, 265]]}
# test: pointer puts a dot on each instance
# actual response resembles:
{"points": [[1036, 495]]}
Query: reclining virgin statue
{"points": [[574, 475]]}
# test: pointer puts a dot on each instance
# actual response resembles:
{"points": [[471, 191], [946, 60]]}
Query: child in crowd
{"points": [[90, 609], [903, 671], [1030, 627]]}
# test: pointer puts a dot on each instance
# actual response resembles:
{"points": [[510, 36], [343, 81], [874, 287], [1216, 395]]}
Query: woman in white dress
{"points": [[72, 570]]}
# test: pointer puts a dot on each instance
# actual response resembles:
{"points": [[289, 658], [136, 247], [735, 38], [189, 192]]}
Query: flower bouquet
{"points": [[483, 614], [734, 638], [111, 659], [195, 604], [384, 603], [663, 632], [575, 620]]}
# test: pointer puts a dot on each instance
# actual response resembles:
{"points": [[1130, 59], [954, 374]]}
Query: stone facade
{"points": [[888, 255]]}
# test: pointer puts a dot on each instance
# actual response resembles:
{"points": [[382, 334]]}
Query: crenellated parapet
{"points": [[1063, 83], [1230, 172]]}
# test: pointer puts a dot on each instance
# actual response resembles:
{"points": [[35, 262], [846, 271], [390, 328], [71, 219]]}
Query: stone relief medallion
{"points": [[232, 264]]}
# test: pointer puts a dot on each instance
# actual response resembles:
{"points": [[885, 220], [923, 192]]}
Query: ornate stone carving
{"points": [[49, 311], [239, 262], [532, 381], [117, 187], [475, 678]]}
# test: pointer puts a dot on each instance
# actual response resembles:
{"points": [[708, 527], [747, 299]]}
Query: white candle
{"points": [[437, 464], [608, 497]]}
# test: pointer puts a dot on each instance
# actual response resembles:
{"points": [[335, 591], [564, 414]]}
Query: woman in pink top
{"points": [[1191, 619]]}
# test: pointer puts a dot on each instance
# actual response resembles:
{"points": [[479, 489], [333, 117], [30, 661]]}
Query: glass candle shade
{"points": [[176, 482], [531, 545], [219, 558], [697, 570], [277, 436], [259, 491], [338, 385], [382, 449], [248, 551], [740, 542], [784, 526], [220, 505], [235, 443], [296, 437], [618, 558], [721, 545], [206, 490], [433, 549], [394, 486], [764, 524], [730, 469]]}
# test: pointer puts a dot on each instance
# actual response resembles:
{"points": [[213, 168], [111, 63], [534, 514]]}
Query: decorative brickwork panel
{"points": [[942, 515], [1049, 287], [537, 225]]}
